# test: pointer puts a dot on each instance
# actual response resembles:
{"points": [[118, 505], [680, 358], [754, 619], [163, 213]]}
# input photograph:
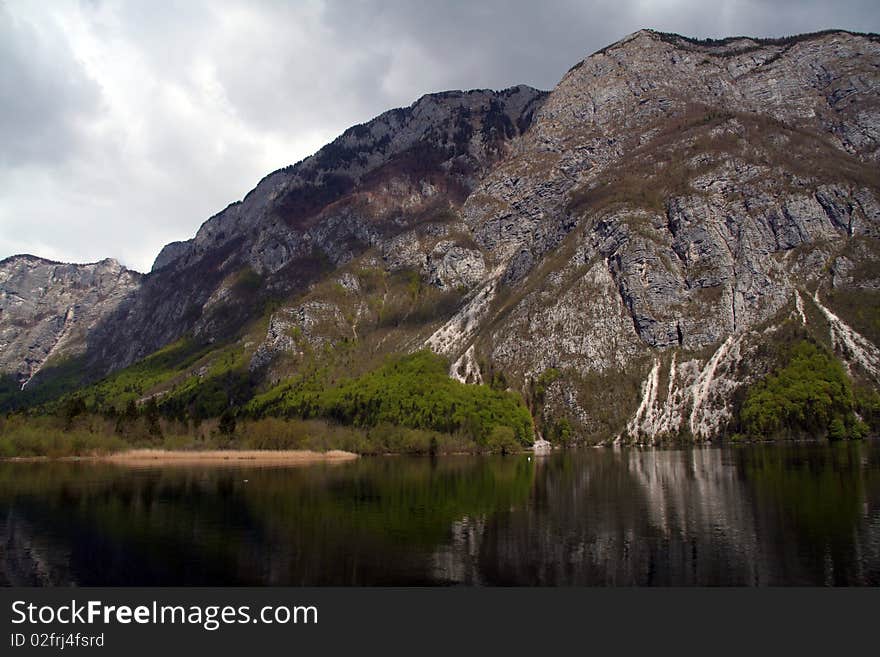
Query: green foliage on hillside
{"points": [[540, 385], [811, 395], [247, 282], [185, 380], [868, 406], [10, 392], [412, 391], [222, 382], [56, 378], [405, 405], [137, 380]]}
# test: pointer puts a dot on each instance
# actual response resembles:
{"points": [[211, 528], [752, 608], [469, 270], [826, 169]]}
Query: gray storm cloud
{"points": [[124, 125]]}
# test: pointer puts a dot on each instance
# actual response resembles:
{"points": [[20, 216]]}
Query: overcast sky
{"points": [[124, 125]]}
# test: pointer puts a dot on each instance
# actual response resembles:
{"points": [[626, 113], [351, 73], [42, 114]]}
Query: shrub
{"points": [[561, 433], [502, 440], [812, 395], [22, 436], [227, 422]]}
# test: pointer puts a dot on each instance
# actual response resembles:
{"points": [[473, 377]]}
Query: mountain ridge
{"points": [[615, 249]]}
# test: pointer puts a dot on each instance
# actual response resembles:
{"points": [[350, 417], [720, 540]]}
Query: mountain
{"points": [[632, 252], [47, 309]]}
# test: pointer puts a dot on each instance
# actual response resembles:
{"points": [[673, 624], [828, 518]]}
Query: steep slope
{"points": [[671, 197], [630, 252], [406, 167], [47, 309]]}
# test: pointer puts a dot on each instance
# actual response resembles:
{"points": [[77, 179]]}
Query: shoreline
{"points": [[163, 457], [265, 457]]}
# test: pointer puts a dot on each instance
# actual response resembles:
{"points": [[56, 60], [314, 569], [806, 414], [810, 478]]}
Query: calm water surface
{"points": [[806, 514]]}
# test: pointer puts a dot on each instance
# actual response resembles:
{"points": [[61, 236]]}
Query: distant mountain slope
{"points": [[48, 308]]}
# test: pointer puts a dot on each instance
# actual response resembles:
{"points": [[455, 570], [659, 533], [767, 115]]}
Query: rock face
{"points": [[406, 167], [673, 196], [621, 250], [48, 308]]}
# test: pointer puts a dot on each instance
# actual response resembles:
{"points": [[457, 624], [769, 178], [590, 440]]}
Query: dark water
{"points": [[762, 515]]}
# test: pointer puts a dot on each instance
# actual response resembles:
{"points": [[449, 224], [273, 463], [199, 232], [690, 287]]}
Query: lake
{"points": [[792, 514]]}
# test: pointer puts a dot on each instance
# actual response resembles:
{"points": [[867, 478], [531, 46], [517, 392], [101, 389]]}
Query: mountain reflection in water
{"points": [[803, 514]]}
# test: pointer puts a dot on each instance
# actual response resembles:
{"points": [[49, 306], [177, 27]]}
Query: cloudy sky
{"points": [[124, 125]]}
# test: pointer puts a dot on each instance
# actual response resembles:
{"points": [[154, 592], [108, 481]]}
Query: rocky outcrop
{"points": [[292, 330], [169, 253]]}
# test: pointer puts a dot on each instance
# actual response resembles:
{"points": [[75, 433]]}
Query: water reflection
{"points": [[764, 515], [795, 514]]}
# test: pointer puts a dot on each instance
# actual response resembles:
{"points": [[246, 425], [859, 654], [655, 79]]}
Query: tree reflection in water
{"points": [[754, 515]]}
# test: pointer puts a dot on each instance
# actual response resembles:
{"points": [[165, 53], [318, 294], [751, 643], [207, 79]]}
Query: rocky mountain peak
{"points": [[623, 250], [454, 135], [621, 98], [403, 167], [47, 308]]}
